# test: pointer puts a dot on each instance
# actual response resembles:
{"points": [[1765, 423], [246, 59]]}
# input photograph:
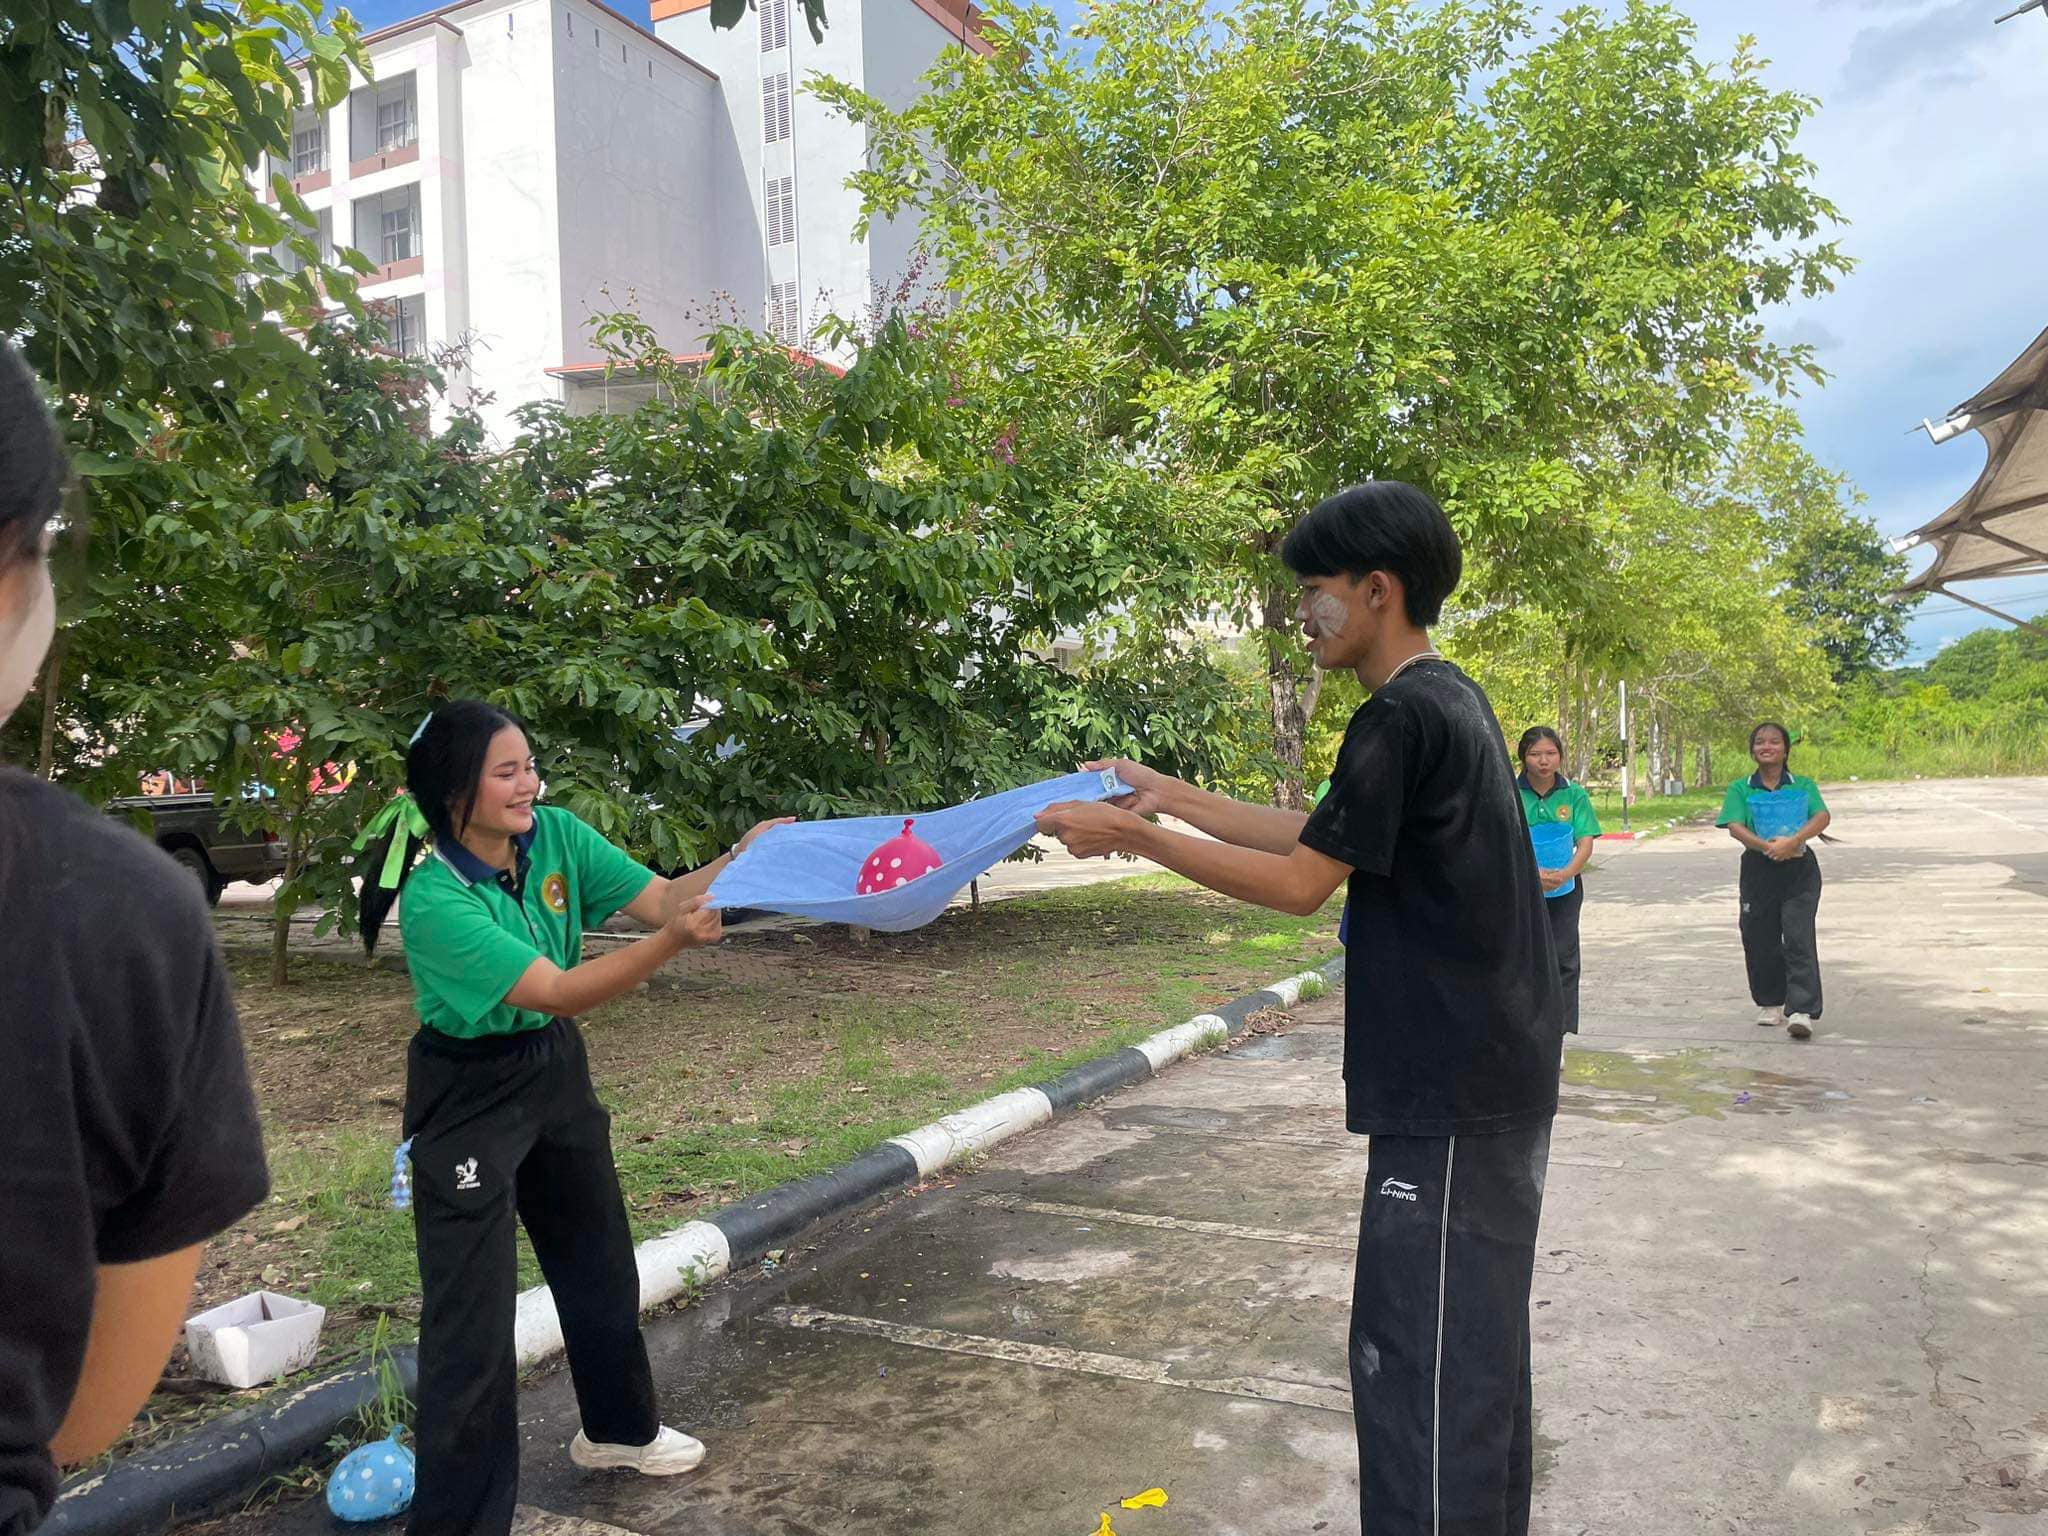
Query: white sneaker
{"points": [[1799, 1026], [1770, 1018], [668, 1453]]}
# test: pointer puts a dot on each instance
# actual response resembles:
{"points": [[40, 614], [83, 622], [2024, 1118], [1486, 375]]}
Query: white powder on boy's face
{"points": [[1322, 612]]}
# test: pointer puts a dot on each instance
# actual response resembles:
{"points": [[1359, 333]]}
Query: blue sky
{"points": [[1925, 139]]}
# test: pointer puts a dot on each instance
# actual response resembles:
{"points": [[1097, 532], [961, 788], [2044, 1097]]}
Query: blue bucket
{"points": [[1555, 846], [1778, 812]]}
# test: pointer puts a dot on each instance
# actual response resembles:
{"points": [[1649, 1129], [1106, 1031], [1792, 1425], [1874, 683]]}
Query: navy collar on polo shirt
{"points": [[1522, 779], [471, 869], [1756, 780]]}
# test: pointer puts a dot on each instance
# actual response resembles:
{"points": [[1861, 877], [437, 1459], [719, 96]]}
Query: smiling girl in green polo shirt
{"points": [[1549, 798], [1780, 886], [503, 1122]]}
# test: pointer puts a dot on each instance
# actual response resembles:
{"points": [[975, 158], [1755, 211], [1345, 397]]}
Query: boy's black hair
{"points": [[1382, 525], [32, 461]]}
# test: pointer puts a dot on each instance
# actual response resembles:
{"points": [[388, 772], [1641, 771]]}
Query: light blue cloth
{"points": [[810, 868]]}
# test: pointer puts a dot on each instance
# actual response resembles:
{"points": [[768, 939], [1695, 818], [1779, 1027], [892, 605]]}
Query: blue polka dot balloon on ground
{"points": [[373, 1482]]}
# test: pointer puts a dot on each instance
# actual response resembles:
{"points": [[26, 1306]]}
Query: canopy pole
{"points": [[2034, 624]]}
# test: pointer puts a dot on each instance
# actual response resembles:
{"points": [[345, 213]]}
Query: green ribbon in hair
{"points": [[405, 810]]}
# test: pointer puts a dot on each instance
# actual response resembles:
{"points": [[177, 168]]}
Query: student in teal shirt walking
{"points": [[1780, 884], [1549, 798]]}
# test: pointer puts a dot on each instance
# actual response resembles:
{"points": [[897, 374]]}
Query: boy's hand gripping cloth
{"points": [[808, 869]]}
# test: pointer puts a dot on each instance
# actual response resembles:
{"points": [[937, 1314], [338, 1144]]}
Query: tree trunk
{"points": [[47, 693], [294, 796], [283, 907], [1583, 727], [1292, 688]]}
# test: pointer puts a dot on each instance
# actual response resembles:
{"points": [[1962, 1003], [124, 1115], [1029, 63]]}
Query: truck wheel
{"points": [[202, 871]]}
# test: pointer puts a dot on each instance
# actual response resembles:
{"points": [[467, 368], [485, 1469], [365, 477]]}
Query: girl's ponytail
{"points": [[394, 836]]}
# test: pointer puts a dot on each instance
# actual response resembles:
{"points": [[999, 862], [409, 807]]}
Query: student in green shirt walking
{"points": [[1780, 882], [1551, 799], [504, 1126]]}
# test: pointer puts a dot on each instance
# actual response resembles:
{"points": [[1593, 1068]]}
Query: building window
{"points": [[775, 108], [781, 210], [384, 118], [784, 319], [401, 239], [396, 124], [774, 25], [407, 324], [388, 226], [323, 240], [309, 144]]}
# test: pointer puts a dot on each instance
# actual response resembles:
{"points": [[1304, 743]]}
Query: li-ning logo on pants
{"points": [[465, 1176], [1394, 1189]]}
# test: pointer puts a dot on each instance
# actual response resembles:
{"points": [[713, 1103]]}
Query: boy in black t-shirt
{"points": [[1452, 1016]]}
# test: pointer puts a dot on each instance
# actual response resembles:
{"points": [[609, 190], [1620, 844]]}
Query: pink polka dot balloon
{"points": [[899, 861]]}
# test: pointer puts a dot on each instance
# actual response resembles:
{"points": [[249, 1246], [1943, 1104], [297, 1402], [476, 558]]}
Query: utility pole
{"points": [[1628, 760]]}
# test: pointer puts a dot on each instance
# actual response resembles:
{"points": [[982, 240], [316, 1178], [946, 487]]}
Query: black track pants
{"points": [[1780, 903], [1440, 1333], [1563, 912], [508, 1129]]}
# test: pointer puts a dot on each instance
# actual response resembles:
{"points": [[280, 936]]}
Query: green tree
{"points": [[1271, 250], [833, 569], [1839, 573], [127, 134]]}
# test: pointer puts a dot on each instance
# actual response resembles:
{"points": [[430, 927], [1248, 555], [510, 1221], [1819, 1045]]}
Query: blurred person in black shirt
{"points": [[128, 1135]]}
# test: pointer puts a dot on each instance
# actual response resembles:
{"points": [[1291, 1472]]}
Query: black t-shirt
{"points": [[1452, 1015], [127, 1129]]}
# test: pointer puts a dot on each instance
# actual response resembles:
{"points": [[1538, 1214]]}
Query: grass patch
{"points": [[1654, 815]]}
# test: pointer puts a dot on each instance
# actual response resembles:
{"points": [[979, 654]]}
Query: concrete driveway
{"points": [[1782, 1287]]}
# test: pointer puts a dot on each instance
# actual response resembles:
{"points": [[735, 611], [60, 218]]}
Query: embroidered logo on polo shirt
{"points": [[555, 892], [465, 1175], [1564, 813]]}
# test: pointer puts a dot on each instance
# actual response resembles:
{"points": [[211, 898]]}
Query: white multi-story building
{"points": [[794, 213], [515, 167]]}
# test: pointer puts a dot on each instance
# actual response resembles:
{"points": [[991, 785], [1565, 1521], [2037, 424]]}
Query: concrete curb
{"points": [[204, 1471]]}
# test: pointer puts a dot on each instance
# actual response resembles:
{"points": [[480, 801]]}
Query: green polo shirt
{"points": [[1565, 802], [1735, 808], [471, 931]]}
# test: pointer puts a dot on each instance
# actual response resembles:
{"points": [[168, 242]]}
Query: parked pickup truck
{"points": [[191, 829]]}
